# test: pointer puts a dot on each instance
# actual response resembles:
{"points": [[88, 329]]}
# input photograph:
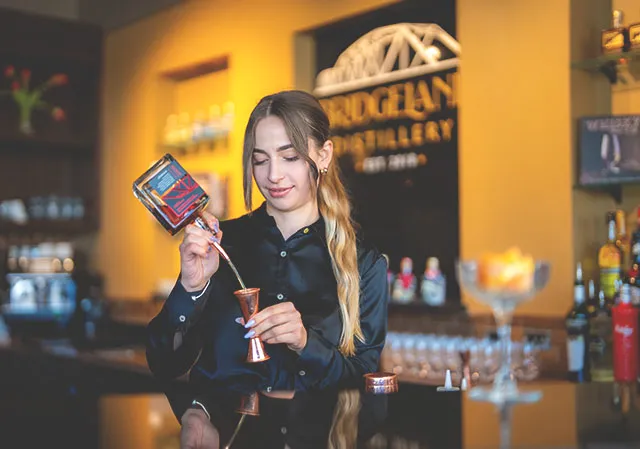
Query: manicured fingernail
{"points": [[250, 334], [215, 239], [209, 249], [216, 228], [250, 323], [238, 320]]}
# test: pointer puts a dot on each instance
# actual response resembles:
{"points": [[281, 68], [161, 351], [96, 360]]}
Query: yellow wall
{"points": [[515, 149], [514, 123], [258, 38]]}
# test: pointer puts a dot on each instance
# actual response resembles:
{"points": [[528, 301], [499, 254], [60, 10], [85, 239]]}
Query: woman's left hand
{"points": [[280, 323]]}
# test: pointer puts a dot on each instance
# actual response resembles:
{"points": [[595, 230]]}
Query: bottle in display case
{"points": [[404, 287], [616, 38], [433, 287], [577, 325], [625, 338], [622, 240], [610, 260]]}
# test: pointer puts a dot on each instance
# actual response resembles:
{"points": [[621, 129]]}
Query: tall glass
{"points": [[503, 302]]}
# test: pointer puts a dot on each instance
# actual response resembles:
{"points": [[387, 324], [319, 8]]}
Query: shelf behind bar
{"points": [[49, 227], [595, 64], [450, 307]]}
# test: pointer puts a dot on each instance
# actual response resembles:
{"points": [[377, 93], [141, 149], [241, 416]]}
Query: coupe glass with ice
{"points": [[171, 194], [503, 282]]}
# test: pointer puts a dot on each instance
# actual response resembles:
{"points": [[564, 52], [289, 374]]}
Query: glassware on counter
{"points": [[509, 282], [426, 358]]}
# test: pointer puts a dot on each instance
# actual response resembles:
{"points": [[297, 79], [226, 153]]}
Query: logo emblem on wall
{"points": [[391, 97]]}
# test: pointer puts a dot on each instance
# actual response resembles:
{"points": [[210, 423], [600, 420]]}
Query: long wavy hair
{"points": [[304, 119]]}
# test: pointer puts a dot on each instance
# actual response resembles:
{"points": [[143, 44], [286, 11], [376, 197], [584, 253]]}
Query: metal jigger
{"points": [[249, 404], [248, 299], [381, 383]]}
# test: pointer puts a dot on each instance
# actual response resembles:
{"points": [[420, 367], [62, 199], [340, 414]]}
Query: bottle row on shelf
{"points": [[30, 293], [45, 257], [603, 341], [50, 207], [182, 130], [39, 278], [403, 286]]}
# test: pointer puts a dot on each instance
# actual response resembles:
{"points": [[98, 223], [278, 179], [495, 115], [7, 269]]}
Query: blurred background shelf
{"points": [[620, 68], [451, 307], [50, 227]]}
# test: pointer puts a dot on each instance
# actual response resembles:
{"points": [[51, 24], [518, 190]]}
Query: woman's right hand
{"points": [[198, 259], [197, 432]]}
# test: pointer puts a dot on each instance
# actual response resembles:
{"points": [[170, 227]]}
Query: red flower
{"points": [[9, 71], [15, 86], [26, 74], [58, 79], [58, 114]]}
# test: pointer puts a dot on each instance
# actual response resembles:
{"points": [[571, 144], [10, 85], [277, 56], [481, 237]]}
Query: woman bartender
{"points": [[323, 292]]}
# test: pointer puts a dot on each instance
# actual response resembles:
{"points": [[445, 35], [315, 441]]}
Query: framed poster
{"points": [[609, 150]]}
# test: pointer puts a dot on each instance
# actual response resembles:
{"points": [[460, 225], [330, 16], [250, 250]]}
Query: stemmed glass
{"points": [[503, 303]]}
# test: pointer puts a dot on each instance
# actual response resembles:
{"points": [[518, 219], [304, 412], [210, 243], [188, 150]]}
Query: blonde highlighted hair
{"points": [[304, 119]]}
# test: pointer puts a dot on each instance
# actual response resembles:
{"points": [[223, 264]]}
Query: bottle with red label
{"points": [[625, 338]]}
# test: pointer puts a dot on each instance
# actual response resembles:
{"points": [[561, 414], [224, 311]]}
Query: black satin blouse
{"points": [[297, 269]]}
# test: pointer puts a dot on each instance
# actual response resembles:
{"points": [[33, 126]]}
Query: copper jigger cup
{"points": [[248, 299], [381, 383], [249, 404]]}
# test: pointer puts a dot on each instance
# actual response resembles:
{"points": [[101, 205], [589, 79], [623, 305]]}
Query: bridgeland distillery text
{"points": [[414, 101]]}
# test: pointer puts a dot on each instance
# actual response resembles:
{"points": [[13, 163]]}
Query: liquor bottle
{"points": [[615, 39], [600, 347], [634, 36], [433, 287], [625, 338], [176, 200], [622, 240], [577, 325], [609, 260], [592, 300], [634, 284], [635, 241]]}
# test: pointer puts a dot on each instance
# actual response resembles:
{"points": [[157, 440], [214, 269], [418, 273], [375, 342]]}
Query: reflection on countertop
{"points": [[569, 415], [104, 395]]}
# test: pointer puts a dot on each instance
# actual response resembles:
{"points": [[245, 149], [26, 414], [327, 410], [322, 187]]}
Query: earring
{"points": [[324, 170]]}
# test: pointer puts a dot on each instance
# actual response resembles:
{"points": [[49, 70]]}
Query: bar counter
{"points": [[51, 393]]}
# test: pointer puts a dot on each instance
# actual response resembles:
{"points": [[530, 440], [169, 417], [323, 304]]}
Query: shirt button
{"points": [[280, 296], [268, 389], [302, 372], [182, 318], [306, 230], [283, 430], [283, 254]]}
